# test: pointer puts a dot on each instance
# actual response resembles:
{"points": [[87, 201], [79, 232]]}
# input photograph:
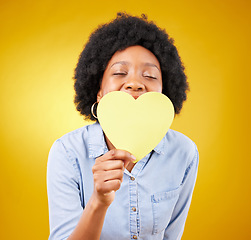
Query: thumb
{"points": [[131, 160]]}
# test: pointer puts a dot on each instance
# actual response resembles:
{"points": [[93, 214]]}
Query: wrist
{"points": [[97, 204]]}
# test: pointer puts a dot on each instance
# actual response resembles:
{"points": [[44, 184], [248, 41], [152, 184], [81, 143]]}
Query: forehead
{"points": [[134, 55]]}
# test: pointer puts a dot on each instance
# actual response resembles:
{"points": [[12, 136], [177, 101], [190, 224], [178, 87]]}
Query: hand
{"points": [[108, 172]]}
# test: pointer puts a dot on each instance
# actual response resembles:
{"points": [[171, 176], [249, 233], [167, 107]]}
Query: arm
{"points": [[91, 222], [175, 228], [108, 172], [68, 220]]}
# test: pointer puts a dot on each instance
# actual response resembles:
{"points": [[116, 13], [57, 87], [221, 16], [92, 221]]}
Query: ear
{"points": [[99, 95]]}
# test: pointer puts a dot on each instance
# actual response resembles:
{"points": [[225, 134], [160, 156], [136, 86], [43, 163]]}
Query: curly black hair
{"points": [[124, 31]]}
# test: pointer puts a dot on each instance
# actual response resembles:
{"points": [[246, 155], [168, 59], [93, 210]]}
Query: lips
{"points": [[135, 97], [134, 94]]}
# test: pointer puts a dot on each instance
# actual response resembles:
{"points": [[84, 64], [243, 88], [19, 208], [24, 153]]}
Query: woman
{"points": [[96, 191]]}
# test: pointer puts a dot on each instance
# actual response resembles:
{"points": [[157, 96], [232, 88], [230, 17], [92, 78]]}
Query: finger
{"points": [[117, 154], [113, 164], [102, 176], [108, 165], [113, 175], [114, 185], [107, 187]]}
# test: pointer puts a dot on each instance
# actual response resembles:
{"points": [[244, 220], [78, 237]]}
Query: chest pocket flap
{"points": [[163, 205]]}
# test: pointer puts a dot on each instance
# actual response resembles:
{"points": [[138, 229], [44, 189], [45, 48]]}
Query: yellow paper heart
{"points": [[136, 126]]}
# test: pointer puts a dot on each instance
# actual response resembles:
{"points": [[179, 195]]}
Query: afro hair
{"points": [[124, 31]]}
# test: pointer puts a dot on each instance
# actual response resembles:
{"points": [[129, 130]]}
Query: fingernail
{"points": [[133, 157]]}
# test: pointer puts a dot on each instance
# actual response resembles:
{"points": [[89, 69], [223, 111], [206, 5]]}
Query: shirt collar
{"points": [[160, 147], [97, 145], [96, 142]]}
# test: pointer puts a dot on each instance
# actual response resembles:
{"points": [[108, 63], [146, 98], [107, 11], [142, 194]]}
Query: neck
{"points": [[110, 146]]}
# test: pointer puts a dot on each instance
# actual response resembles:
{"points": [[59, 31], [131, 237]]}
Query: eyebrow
{"points": [[120, 62], [127, 63], [151, 65]]}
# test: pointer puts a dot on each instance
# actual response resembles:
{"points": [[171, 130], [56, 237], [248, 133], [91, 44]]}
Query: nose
{"points": [[134, 84]]}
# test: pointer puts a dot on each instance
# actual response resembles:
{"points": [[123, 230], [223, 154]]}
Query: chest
{"points": [[144, 205]]}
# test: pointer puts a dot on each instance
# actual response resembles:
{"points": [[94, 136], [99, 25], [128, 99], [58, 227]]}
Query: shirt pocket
{"points": [[163, 204]]}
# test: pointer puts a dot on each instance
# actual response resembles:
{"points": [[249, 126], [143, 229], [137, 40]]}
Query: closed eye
{"points": [[150, 77], [119, 73]]}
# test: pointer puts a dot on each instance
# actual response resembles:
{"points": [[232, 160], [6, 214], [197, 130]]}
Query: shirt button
{"points": [[132, 178], [134, 209], [134, 237]]}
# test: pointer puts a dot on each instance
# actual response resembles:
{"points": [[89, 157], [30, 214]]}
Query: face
{"points": [[134, 70]]}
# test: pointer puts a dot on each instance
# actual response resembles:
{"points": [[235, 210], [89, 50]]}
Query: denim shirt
{"points": [[152, 202]]}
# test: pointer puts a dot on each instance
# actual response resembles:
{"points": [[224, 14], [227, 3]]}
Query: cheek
{"points": [[156, 86], [160, 85], [110, 85]]}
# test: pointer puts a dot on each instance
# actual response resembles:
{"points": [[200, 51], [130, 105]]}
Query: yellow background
{"points": [[39, 47]]}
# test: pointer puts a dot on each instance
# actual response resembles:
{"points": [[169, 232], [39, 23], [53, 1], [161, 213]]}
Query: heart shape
{"points": [[136, 126]]}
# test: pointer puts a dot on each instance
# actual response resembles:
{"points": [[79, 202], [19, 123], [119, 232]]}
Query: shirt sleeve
{"points": [[176, 226], [63, 192]]}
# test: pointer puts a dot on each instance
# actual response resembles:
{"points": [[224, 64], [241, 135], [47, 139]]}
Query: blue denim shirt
{"points": [[152, 202]]}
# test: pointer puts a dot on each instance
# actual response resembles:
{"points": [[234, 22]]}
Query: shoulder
{"points": [[79, 136], [182, 145], [179, 139], [77, 133], [71, 141], [80, 143], [185, 152], [66, 151]]}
